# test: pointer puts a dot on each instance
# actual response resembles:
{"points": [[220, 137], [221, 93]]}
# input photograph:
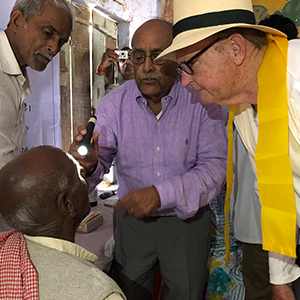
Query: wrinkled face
{"points": [[41, 37], [153, 80], [212, 73]]}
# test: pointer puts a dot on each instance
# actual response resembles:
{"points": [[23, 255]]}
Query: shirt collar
{"points": [[8, 61], [63, 246]]}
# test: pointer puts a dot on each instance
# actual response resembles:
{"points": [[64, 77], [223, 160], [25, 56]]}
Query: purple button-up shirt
{"points": [[182, 154]]}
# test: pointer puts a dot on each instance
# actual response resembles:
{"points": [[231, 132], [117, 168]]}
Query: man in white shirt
{"points": [[231, 61], [35, 34], [45, 197]]}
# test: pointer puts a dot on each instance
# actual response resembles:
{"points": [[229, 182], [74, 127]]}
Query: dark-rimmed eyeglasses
{"points": [[139, 57], [186, 66]]}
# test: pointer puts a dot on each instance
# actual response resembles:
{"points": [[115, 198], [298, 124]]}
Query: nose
{"points": [[53, 46], [148, 65], [186, 79]]}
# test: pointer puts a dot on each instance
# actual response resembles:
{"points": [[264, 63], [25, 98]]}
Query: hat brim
{"points": [[194, 36]]}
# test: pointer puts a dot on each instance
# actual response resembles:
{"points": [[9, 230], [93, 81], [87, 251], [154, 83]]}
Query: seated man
{"points": [[44, 197]]}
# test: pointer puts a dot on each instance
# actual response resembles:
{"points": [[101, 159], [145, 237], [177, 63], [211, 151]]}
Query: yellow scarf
{"points": [[274, 172]]}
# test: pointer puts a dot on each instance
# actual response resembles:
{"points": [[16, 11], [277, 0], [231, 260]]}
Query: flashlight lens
{"points": [[82, 150]]}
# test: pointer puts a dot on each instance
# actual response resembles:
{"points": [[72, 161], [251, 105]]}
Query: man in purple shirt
{"points": [[170, 155]]}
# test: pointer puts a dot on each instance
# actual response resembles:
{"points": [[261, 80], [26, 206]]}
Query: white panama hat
{"points": [[196, 20]]}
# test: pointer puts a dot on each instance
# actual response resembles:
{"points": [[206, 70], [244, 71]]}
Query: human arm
{"points": [[283, 272], [99, 90], [95, 164], [141, 202], [282, 292], [187, 192], [89, 161], [192, 169], [108, 57]]}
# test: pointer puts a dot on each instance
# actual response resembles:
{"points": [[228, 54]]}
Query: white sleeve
{"points": [[282, 268]]}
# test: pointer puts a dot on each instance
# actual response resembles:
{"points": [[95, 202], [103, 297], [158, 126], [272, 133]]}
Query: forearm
{"points": [[96, 175], [194, 189], [283, 272], [282, 292]]}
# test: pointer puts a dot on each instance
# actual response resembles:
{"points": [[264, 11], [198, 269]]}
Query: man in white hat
{"points": [[231, 61]]}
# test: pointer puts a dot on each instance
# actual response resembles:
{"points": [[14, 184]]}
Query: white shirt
{"points": [[282, 268], [14, 88]]}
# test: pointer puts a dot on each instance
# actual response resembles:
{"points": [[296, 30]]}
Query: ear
{"points": [[16, 20], [66, 206], [238, 48]]}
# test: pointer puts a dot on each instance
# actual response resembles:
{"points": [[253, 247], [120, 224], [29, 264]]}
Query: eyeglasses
{"points": [[186, 66], [139, 57]]}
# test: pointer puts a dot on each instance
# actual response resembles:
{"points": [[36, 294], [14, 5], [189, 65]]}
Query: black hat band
{"points": [[214, 19]]}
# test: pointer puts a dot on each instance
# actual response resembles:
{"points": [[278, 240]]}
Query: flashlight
{"points": [[85, 143]]}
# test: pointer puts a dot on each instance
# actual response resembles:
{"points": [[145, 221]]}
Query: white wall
{"points": [[133, 12]]}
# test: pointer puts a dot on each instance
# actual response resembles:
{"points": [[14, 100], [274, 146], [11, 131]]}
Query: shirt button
{"points": [[157, 148], [157, 123], [158, 174]]}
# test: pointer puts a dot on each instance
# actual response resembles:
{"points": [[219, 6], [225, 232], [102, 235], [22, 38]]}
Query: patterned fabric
{"points": [[18, 278], [223, 282]]}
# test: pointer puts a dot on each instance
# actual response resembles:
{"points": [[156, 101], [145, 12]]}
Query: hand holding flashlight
{"points": [[85, 143]]}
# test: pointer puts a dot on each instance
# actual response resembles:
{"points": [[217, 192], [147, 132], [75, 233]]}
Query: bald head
{"points": [[41, 192], [159, 28]]}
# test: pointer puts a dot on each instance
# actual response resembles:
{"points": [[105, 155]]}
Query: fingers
{"points": [[109, 56], [95, 145], [131, 210], [113, 55], [140, 203], [89, 161], [134, 204], [126, 203], [81, 131]]}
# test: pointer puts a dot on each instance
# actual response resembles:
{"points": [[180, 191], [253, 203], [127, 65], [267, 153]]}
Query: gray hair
{"points": [[31, 8], [30, 215]]}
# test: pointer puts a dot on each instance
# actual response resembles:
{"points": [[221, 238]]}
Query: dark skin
{"points": [[60, 214], [37, 40], [125, 67], [154, 82]]}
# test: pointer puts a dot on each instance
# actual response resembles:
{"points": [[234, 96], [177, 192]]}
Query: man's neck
{"points": [[155, 106], [15, 49], [248, 81]]}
